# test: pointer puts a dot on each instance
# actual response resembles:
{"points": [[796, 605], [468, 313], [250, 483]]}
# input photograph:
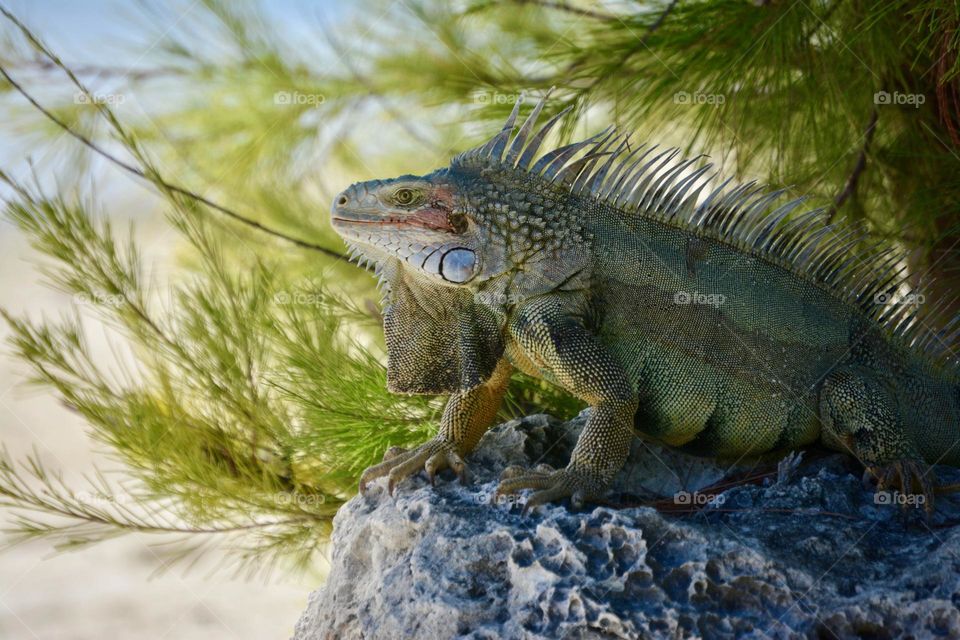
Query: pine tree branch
{"points": [[115, 283], [947, 93], [563, 6], [129, 168], [850, 188], [821, 20], [630, 52], [103, 71], [53, 498], [375, 93]]}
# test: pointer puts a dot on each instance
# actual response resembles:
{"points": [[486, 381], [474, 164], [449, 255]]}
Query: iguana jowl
{"points": [[710, 321]]}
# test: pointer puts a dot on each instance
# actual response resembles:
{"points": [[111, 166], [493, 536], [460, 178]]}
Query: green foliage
{"points": [[259, 389]]}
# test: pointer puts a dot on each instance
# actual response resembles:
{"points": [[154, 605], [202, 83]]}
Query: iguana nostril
{"points": [[342, 201]]}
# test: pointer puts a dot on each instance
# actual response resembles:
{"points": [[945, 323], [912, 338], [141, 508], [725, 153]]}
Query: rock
{"points": [[809, 556]]}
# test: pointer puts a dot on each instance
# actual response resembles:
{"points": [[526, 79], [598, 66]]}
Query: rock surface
{"points": [[805, 554]]}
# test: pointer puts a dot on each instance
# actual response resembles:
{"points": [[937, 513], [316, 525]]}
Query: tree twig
{"points": [[947, 90], [821, 21], [375, 93], [103, 71], [563, 6], [641, 43], [853, 180]]}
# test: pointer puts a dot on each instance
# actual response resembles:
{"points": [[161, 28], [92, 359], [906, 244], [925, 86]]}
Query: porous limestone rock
{"points": [[808, 554]]}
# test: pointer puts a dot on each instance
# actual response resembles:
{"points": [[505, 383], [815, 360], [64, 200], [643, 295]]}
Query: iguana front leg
{"points": [[466, 417], [567, 353]]}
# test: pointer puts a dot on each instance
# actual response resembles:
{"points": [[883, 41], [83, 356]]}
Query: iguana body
{"points": [[712, 324]]}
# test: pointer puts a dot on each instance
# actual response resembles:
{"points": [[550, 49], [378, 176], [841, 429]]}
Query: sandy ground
{"points": [[106, 591]]}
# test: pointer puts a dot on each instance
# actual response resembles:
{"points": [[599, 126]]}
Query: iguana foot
{"points": [[551, 484], [398, 463], [905, 482]]}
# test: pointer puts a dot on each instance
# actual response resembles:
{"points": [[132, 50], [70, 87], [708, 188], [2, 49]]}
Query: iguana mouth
{"points": [[433, 219], [354, 221]]}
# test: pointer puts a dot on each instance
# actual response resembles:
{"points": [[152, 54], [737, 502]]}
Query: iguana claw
{"points": [[551, 485], [432, 456], [393, 452], [912, 484]]}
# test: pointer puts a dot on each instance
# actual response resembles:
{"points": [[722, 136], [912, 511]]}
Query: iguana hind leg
{"points": [[860, 416], [466, 417]]}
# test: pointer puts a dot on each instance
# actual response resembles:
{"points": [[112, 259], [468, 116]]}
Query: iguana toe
{"points": [[517, 471], [393, 452], [398, 464], [551, 485], [446, 459], [905, 482]]}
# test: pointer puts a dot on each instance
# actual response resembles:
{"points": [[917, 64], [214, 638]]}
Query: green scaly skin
{"points": [[688, 338]]}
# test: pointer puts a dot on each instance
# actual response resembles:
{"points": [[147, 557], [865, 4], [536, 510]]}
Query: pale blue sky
{"points": [[119, 34], [89, 30]]}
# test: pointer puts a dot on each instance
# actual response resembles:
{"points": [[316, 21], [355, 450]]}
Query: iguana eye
{"points": [[405, 196]]}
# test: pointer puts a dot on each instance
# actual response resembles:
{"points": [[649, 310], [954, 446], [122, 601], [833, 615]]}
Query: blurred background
{"points": [[185, 399], [111, 589]]}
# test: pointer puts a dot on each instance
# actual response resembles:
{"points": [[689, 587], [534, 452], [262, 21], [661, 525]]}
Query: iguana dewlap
{"points": [[709, 320]]}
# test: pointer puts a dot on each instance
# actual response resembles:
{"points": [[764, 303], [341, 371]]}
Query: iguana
{"points": [[706, 319]]}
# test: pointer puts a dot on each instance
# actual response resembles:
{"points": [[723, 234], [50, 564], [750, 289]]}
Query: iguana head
{"points": [[419, 220], [496, 210], [456, 249], [460, 226]]}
